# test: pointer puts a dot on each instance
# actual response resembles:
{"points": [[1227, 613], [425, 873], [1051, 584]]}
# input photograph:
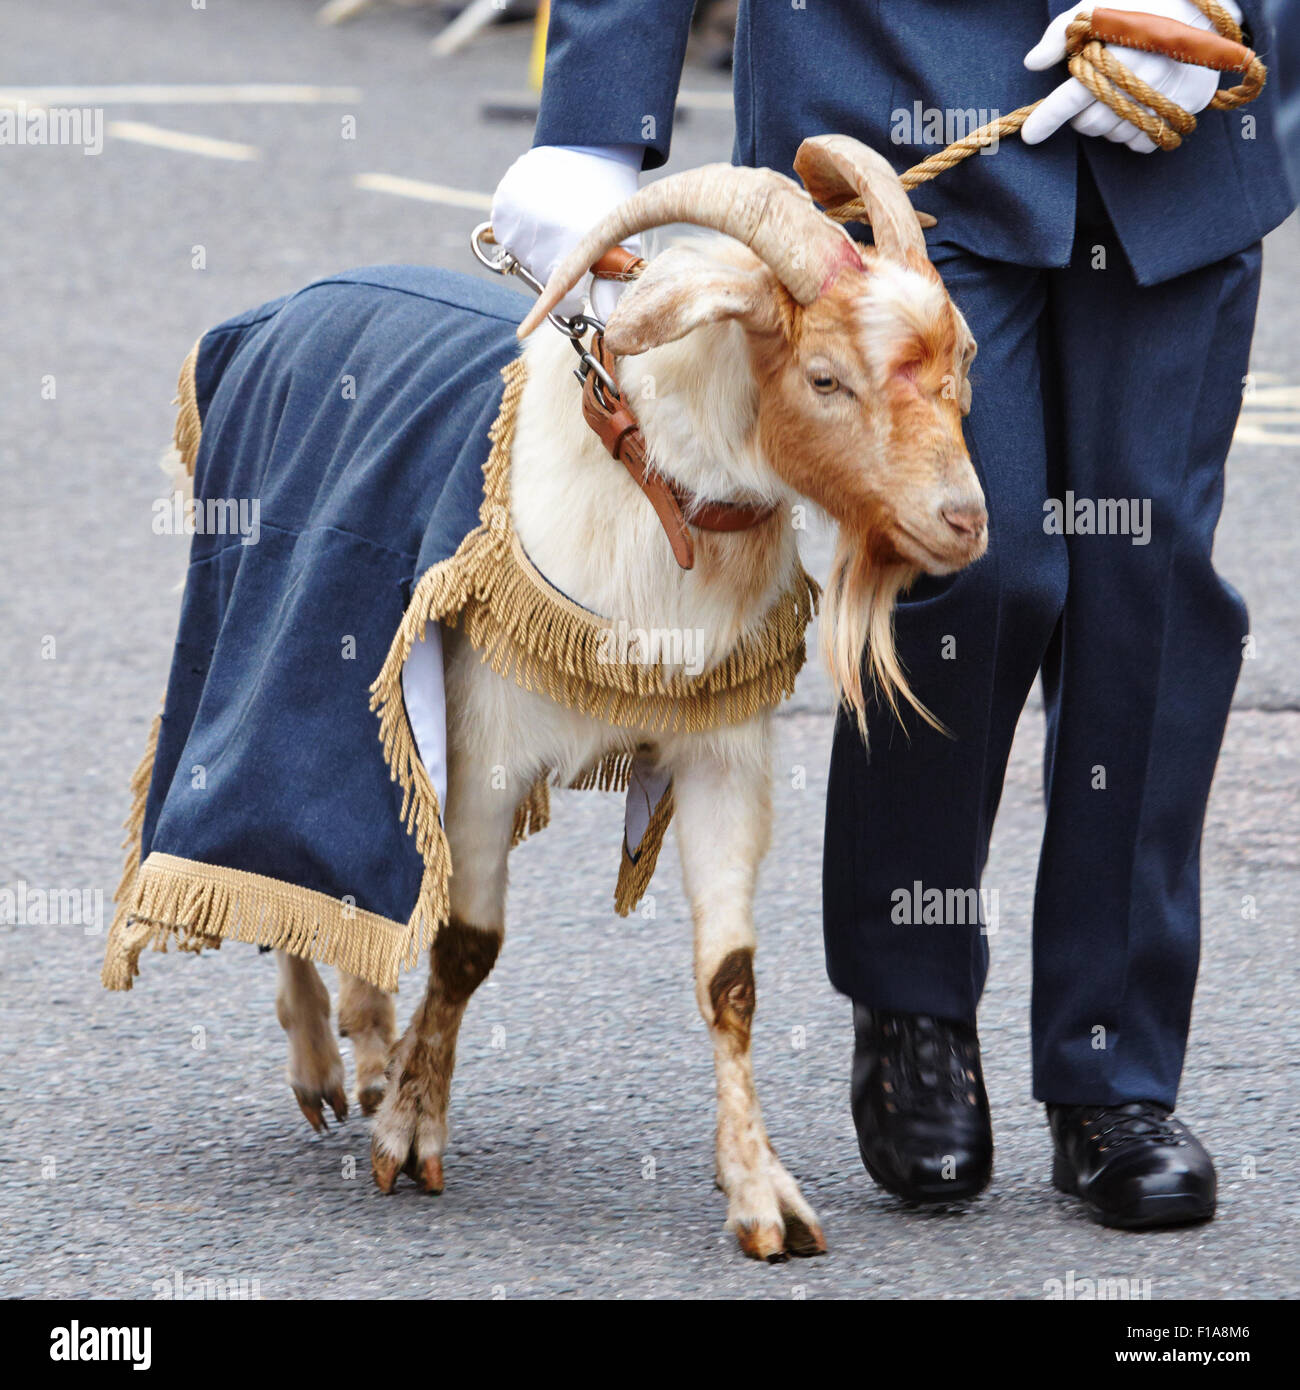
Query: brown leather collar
{"points": [[677, 507]]}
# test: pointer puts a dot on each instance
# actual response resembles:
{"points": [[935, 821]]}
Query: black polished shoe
{"points": [[919, 1105], [1132, 1165]]}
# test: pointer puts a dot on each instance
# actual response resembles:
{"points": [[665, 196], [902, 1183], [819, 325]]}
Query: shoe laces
{"points": [[927, 1059], [1113, 1126]]}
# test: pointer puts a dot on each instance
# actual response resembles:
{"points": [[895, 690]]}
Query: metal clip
{"points": [[590, 363], [500, 262]]}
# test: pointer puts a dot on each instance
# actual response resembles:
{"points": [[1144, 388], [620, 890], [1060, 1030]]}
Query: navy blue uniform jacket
{"points": [[849, 66]]}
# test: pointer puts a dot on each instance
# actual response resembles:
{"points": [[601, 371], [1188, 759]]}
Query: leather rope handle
{"points": [[1163, 121], [618, 263], [1182, 42]]}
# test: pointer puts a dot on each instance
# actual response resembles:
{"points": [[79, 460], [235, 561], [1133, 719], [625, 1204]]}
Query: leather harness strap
{"points": [[677, 507]]}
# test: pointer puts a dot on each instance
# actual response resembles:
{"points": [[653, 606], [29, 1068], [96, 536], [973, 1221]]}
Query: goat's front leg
{"points": [[411, 1128], [302, 1004], [723, 821]]}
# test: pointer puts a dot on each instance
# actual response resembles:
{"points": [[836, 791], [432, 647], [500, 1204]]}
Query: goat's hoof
{"points": [[369, 1098], [385, 1168], [763, 1243], [312, 1104], [770, 1217], [430, 1176], [427, 1172], [803, 1238]]}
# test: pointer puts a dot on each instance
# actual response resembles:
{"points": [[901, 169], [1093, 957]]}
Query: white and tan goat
{"points": [[787, 363]]}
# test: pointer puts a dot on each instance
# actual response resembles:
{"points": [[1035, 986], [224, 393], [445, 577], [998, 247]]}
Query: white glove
{"points": [[1190, 86], [551, 197]]}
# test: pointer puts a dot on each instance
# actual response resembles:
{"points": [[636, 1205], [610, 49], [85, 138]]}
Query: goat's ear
{"points": [[968, 349], [679, 291]]}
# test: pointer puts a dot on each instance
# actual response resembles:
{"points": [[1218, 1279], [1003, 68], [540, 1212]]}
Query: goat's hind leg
{"points": [[368, 1020], [411, 1128], [302, 1004]]}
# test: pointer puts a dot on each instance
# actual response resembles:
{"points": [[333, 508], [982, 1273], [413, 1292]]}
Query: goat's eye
{"points": [[824, 382]]}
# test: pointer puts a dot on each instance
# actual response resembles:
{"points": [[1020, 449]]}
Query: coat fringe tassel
{"points": [[189, 427], [634, 875]]}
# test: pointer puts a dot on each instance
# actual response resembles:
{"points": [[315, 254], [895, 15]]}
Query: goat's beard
{"points": [[858, 630]]}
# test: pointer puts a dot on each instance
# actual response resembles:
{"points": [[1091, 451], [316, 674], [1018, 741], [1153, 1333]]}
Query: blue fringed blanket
{"points": [[363, 423]]}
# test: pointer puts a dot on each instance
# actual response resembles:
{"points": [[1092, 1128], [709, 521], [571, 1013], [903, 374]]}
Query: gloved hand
{"points": [[551, 197], [1190, 86]]}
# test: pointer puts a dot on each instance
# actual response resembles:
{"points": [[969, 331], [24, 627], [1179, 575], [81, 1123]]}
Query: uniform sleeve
{"points": [[612, 72]]}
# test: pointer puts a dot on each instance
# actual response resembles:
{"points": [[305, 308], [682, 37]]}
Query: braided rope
{"points": [[1097, 67]]}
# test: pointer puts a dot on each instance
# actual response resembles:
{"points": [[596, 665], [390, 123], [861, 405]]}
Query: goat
{"points": [[788, 362]]}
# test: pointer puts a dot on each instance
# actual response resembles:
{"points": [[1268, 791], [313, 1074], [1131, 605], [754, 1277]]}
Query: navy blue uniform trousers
{"points": [[1084, 382]]}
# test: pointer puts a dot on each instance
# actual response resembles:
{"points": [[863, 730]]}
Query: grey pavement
{"points": [[151, 1133]]}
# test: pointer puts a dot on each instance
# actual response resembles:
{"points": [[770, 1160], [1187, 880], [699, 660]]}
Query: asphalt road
{"points": [[152, 1133]]}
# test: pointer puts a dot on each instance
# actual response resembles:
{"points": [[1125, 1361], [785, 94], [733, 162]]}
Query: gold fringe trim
{"points": [[120, 961], [198, 906], [189, 427], [533, 813], [634, 875], [122, 950], [529, 632], [609, 774]]}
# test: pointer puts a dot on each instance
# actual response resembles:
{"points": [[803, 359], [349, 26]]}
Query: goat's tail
{"points": [[857, 614]]}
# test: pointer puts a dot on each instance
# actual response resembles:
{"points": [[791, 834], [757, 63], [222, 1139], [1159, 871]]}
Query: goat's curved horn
{"points": [[770, 213], [839, 171]]}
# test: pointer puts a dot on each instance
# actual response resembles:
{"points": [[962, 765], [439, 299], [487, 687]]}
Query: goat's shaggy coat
{"points": [[359, 414]]}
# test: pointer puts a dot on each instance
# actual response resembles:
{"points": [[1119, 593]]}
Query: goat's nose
{"points": [[967, 520]]}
